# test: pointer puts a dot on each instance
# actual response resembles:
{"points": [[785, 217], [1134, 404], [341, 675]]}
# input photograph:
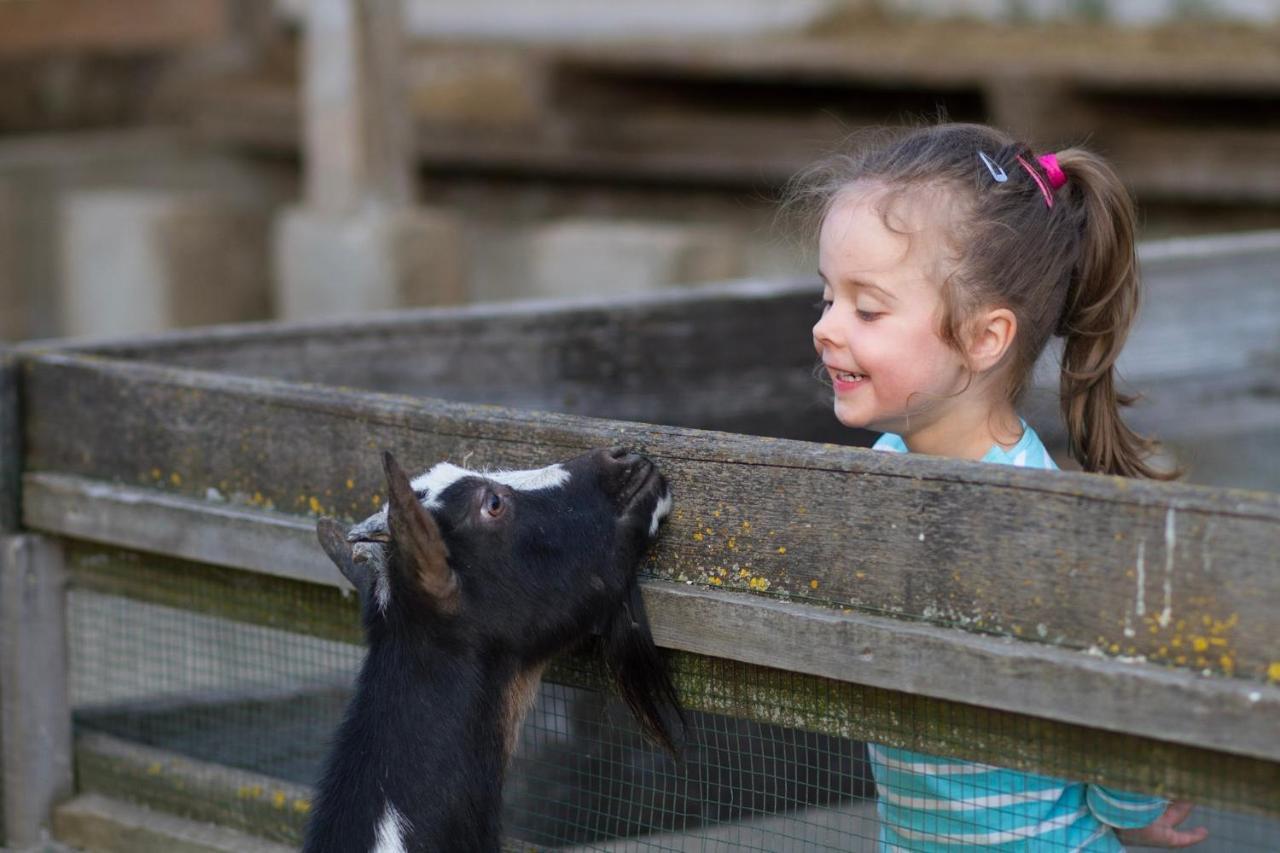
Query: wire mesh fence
{"points": [[206, 692]]}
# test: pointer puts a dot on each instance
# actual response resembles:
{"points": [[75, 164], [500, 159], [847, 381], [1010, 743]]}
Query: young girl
{"points": [[949, 258]]}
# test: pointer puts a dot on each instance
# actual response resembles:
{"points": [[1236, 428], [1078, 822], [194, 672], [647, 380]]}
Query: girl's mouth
{"points": [[843, 380]]}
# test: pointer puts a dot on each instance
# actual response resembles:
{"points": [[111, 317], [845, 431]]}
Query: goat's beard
{"points": [[640, 673]]}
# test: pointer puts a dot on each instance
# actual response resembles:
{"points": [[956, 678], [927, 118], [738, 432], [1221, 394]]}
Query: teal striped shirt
{"points": [[927, 803]]}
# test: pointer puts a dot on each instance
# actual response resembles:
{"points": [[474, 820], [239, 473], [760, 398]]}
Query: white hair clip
{"points": [[996, 171]]}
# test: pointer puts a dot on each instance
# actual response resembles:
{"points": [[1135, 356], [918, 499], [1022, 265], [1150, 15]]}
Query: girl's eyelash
{"points": [[822, 305], [868, 316]]}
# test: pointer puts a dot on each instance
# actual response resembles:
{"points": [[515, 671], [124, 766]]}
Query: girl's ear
{"points": [[993, 332]]}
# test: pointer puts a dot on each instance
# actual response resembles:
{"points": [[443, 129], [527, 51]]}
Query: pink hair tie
{"points": [[1057, 177]]}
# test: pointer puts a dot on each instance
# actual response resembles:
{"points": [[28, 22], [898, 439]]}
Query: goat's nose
{"points": [[619, 464], [623, 455]]}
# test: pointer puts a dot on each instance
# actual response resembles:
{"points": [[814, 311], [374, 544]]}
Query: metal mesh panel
{"points": [[196, 665]]}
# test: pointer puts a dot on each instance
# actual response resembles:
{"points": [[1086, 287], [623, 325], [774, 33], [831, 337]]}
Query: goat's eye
{"points": [[492, 506]]}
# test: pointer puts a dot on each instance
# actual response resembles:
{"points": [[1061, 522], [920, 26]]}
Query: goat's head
{"points": [[524, 563]]}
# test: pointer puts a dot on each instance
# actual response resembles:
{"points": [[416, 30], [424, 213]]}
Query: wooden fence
{"points": [[1092, 627]]}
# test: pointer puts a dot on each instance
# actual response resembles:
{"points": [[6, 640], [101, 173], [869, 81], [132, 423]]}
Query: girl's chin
{"points": [[853, 419]]}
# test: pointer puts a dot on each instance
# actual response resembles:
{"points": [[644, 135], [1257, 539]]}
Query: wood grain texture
{"points": [[738, 357], [269, 808], [1032, 678], [1178, 574], [35, 714], [735, 357]]}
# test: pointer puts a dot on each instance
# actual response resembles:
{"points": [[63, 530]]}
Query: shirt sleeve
{"points": [[1122, 809]]}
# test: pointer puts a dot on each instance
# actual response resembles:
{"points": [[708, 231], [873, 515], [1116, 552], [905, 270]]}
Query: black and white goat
{"points": [[469, 584]]}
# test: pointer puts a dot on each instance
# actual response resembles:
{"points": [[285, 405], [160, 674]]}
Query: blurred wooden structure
{"points": [[1188, 113], [31, 26]]}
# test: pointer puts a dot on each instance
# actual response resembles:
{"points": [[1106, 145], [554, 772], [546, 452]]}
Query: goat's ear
{"points": [[640, 673], [333, 539], [417, 538]]}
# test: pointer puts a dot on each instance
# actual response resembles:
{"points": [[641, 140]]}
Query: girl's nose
{"points": [[823, 331]]}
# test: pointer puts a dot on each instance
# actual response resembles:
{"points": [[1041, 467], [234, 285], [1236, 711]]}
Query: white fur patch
{"points": [[445, 474], [392, 830], [433, 483], [661, 511]]}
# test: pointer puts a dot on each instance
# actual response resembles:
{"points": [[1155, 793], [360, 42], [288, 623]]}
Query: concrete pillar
{"points": [[581, 257], [383, 258], [359, 242], [146, 260]]}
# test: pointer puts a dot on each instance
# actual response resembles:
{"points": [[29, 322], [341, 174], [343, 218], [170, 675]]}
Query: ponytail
{"points": [[1102, 302]]}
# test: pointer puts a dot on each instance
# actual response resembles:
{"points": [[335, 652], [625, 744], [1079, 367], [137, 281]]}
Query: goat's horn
{"points": [[333, 539]]}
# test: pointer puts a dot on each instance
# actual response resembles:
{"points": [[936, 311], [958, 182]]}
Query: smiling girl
{"points": [[949, 258]]}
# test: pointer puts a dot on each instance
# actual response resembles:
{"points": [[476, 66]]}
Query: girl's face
{"points": [[878, 336]]}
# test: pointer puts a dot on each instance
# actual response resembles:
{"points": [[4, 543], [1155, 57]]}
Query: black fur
{"points": [[476, 606]]}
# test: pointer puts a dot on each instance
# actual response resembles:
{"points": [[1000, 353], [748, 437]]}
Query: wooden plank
{"points": [[924, 660], [1211, 306], [31, 26], [269, 808], [322, 608], [107, 825], [1195, 387], [261, 541], [1176, 573], [35, 715], [10, 443], [592, 357], [179, 791], [734, 114], [1211, 310], [1030, 678]]}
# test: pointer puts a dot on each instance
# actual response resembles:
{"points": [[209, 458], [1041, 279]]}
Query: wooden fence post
{"points": [[35, 715], [35, 712], [10, 444], [10, 448]]}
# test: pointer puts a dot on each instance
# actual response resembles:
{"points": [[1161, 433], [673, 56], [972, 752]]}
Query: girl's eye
{"points": [[492, 506], [868, 316], [822, 305]]}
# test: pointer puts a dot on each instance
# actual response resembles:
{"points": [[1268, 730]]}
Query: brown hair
{"points": [[1068, 270]]}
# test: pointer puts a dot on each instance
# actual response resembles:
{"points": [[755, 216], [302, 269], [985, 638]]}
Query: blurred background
{"points": [[168, 164]]}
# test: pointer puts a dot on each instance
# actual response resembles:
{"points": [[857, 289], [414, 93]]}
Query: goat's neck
{"points": [[429, 734]]}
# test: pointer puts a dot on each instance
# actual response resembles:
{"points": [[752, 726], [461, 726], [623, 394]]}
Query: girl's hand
{"points": [[1164, 832]]}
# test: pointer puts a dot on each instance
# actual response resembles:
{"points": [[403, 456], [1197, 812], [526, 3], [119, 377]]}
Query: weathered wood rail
{"points": [[1115, 631]]}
